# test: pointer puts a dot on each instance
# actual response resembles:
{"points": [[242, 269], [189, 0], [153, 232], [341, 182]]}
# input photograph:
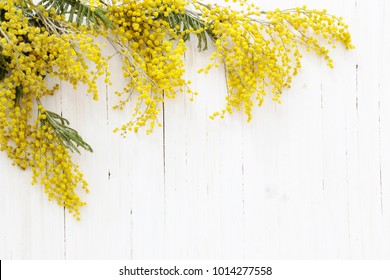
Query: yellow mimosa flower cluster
{"points": [[260, 51], [31, 51], [153, 63]]}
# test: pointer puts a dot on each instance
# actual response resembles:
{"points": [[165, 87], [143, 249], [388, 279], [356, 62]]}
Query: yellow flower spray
{"points": [[259, 50]]}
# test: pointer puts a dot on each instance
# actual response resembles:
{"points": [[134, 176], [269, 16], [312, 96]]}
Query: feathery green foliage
{"points": [[78, 12], [189, 21], [69, 137]]}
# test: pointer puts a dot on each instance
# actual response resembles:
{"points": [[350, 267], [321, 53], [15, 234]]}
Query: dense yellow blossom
{"points": [[260, 51], [52, 48], [153, 64]]}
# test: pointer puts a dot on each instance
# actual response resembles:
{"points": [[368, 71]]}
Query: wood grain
{"points": [[308, 179]]}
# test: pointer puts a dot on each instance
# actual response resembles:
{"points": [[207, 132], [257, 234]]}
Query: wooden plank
{"points": [[31, 227], [306, 179], [368, 98]]}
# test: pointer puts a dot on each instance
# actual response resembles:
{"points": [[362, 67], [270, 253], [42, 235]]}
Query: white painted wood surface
{"points": [[307, 179]]}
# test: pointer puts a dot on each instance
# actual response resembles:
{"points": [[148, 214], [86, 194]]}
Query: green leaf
{"points": [[68, 136], [79, 12], [191, 21]]}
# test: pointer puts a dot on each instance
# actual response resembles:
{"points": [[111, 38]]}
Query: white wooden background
{"points": [[307, 179]]}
